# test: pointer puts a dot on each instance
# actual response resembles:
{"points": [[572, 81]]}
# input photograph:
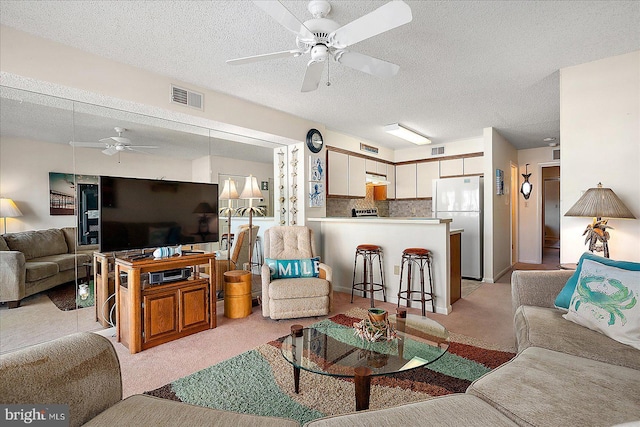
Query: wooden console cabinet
{"points": [[104, 286], [149, 315]]}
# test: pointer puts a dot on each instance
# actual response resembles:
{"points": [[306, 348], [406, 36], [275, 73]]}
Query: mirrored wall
{"points": [[52, 152]]}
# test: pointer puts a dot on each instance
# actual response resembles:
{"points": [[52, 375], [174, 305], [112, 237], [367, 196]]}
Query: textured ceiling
{"points": [[464, 65]]}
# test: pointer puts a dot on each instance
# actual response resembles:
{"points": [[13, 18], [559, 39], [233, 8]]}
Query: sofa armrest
{"points": [[12, 275], [265, 274], [79, 370], [537, 288]]}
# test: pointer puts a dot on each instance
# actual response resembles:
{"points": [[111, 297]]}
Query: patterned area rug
{"points": [[65, 298], [260, 381]]}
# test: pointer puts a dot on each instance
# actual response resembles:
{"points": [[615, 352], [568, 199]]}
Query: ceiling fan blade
{"points": [[140, 146], [277, 11], [312, 76], [87, 144], [384, 18], [130, 148], [264, 57], [367, 64], [111, 150], [118, 139]]}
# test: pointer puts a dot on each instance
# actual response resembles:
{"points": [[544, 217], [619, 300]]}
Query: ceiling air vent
{"points": [[556, 154], [186, 97], [437, 150]]}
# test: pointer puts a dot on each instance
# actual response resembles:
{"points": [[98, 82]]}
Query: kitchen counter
{"points": [[337, 238]]}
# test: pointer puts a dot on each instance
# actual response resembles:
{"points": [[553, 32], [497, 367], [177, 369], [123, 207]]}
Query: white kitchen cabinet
{"points": [[337, 174], [453, 167], [371, 166], [406, 181], [391, 177], [473, 165], [357, 177], [426, 172]]}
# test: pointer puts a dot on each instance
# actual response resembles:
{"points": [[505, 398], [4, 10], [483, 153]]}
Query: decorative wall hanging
{"points": [[526, 187], [293, 220], [62, 193], [281, 199], [316, 169], [316, 194], [499, 182]]}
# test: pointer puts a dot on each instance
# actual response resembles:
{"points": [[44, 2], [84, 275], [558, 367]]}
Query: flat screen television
{"points": [[145, 213]]}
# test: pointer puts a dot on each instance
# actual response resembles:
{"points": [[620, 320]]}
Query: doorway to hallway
{"points": [[551, 215]]}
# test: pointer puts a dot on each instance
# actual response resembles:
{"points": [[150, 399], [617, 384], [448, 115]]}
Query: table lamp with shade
{"points": [[8, 209], [251, 191], [597, 203], [229, 193]]}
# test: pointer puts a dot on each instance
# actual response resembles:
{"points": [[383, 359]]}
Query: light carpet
{"points": [[260, 381]]}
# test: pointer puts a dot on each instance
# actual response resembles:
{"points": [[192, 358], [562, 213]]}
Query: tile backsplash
{"points": [[386, 208]]}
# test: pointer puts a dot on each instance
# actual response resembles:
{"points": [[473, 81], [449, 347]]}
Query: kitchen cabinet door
{"points": [[391, 177], [337, 174], [371, 166], [453, 167], [406, 181], [425, 174], [473, 165], [357, 177]]}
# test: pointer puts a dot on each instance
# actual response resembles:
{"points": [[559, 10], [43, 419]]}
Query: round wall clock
{"points": [[314, 140]]}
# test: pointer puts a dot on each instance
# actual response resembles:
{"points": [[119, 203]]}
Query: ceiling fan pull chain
{"points": [[328, 82]]}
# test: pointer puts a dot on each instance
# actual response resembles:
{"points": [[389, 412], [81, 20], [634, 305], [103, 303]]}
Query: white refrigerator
{"points": [[461, 199]]}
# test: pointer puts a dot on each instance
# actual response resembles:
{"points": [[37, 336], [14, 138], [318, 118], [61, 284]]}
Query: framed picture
{"points": [[316, 169], [62, 193], [316, 194]]}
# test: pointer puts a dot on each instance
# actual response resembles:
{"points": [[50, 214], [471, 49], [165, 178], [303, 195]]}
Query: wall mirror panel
{"points": [[51, 152]]}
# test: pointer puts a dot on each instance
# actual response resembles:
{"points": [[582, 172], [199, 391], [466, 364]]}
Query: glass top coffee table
{"points": [[330, 349]]}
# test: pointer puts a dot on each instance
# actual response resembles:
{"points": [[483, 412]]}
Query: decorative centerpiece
{"points": [[376, 327]]}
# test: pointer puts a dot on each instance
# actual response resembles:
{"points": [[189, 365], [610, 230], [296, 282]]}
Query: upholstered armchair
{"points": [[239, 253], [286, 297]]}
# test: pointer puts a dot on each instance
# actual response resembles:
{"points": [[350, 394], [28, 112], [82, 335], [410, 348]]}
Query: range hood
{"points": [[374, 179]]}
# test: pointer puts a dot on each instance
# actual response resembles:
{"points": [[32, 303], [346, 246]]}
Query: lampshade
{"points": [[203, 208], [8, 208], [229, 192], [406, 134], [600, 202], [251, 189]]}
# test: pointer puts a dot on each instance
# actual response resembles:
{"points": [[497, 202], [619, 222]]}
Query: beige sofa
{"points": [[563, 375], [34, 261]]}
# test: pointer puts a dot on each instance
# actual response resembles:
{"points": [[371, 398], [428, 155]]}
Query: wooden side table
{"points": [[237, 294]]}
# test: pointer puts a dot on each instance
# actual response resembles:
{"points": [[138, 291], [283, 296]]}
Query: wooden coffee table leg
{"points": [[296, 379], [363, 387]]}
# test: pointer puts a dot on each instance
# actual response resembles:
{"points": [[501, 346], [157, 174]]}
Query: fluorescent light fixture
{"points": [[406, 134]]}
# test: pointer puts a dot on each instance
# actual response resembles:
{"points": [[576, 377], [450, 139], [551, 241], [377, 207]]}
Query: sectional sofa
{"points": [[563, 374], [37, 260]]}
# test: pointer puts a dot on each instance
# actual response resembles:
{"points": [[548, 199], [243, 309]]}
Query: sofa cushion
{"points": [[545, 327], [292, 268], [606, 301], [448, 411], [36, 270], [65, 261], [545, 387], [3, 244], [142, 410], [564, 297], [38, 243], [304, 287]]}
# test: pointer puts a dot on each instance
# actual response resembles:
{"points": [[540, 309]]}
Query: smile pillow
{"points": [[607, 299], [293, 268]]}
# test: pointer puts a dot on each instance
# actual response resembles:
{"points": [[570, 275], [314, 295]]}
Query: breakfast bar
{"points": [[337, 239]]}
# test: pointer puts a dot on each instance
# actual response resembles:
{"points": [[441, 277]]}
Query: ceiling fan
{"points": [[324, 38], [113, 144]]}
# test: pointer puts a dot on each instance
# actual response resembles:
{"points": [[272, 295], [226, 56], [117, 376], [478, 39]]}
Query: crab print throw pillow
{"points": [[607, 300]]}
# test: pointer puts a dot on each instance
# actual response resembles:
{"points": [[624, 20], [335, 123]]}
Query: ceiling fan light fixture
{"points": [[402, 132]]}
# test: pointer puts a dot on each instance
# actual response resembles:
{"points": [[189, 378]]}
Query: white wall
{"points": [[600, 129], [350, 143], [530, 211], [499, 154]]}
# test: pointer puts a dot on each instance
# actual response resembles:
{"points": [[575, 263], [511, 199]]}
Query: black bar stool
{"points": [[368, 253], [420, 257]]}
